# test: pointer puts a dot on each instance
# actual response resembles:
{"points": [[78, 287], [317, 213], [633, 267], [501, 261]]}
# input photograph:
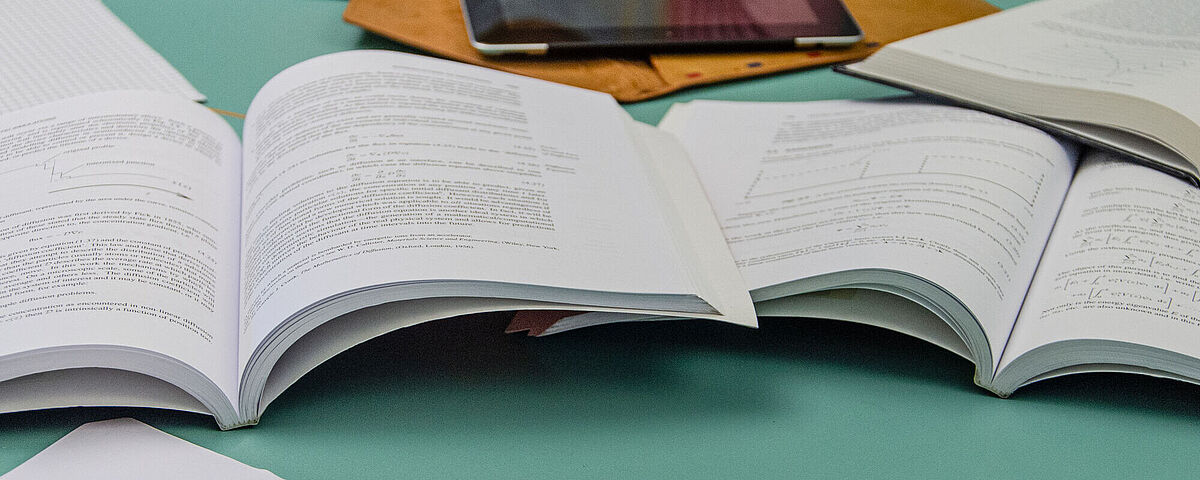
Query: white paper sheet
{"points": [[55, 49], [127, 448]]}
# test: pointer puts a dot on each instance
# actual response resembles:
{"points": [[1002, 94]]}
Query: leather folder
{"points": [[437, 27]]}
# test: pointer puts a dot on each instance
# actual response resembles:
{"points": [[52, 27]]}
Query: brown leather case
{"points": [[437, 27]]}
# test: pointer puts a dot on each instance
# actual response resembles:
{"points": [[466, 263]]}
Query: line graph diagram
{"points": [[786, 174], [105, 167], [1110, 62]]}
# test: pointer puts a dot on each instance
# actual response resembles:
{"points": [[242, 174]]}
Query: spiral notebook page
{"points": [[54, 49]]}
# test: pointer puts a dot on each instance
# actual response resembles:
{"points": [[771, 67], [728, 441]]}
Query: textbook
{"points": [[1116, 74], [1024, 253], [150, 258]]}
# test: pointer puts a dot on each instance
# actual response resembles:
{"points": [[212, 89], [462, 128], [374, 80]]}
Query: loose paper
{"points": [[125, 448], [55, 49]]}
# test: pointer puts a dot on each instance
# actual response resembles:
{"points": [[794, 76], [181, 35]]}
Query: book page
{"points": [[371, 168], [119, 227], [1123, 263], [962, 199], [1144, 48]]}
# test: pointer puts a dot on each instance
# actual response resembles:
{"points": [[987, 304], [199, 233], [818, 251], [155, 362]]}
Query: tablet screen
{"points": [[655, 21]]}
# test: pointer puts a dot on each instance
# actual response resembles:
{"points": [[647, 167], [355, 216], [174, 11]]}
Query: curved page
{"points": [[962, 199], [120, 228], [1123, 264], [369, 168]]}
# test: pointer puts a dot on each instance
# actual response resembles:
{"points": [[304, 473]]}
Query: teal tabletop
{"points": [[795, 398]]}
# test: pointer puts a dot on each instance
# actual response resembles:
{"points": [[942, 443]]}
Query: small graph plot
{"points": [[1123, 63], [75, 170], [791, 176], [787, 175]]}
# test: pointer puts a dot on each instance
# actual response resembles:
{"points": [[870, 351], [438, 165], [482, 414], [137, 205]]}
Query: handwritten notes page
{"points": [[1123, 264], [55, 49], [962, 199]]}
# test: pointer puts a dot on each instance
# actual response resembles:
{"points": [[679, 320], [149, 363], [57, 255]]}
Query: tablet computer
{"points": [[550, 26]]}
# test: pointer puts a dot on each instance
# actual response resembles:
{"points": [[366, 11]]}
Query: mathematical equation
{"points": [[377, 175], [1131, 288], [1138, 241]]}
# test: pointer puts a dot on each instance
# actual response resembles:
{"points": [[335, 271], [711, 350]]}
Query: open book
{"points": [[1022, 262], [1122, 74], [149, 258]]}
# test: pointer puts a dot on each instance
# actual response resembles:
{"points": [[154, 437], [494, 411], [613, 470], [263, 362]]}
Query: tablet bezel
{"points": [[835, 28]]}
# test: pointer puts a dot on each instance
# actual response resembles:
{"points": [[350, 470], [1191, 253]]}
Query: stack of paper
{"points": [[54, 49]]}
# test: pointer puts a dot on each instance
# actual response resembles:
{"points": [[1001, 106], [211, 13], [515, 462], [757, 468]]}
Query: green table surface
{"points": [[690, 399]]}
